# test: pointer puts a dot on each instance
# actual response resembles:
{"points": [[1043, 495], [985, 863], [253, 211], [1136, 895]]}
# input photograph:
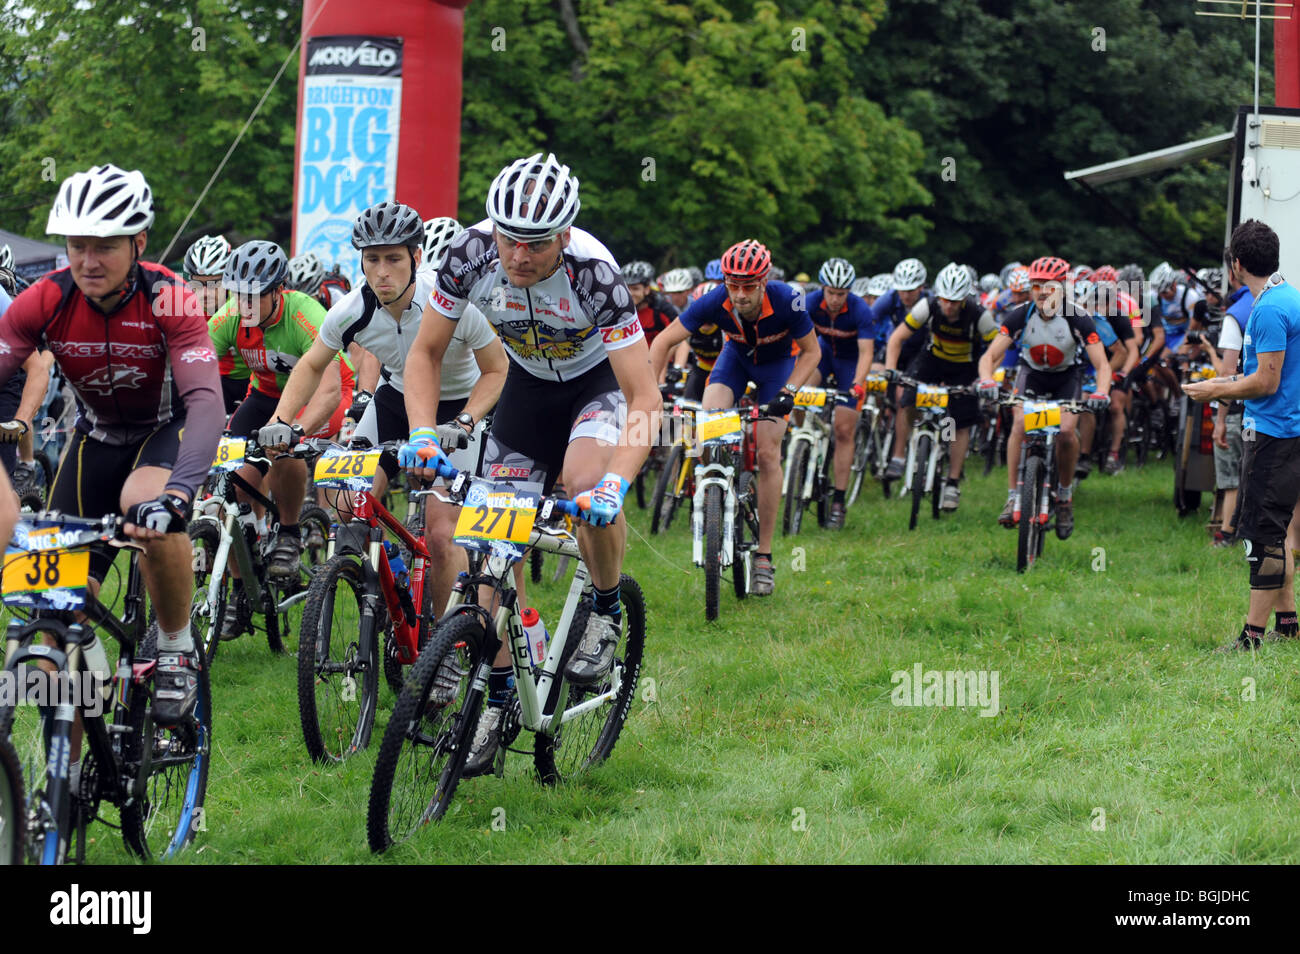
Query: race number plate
{"points": [[496, 519], [719, 427], [928, 396], [810, 397], [347, 470], [230, 454], [1203, 373], [46, 579], [876, 384], [1042, 414]]}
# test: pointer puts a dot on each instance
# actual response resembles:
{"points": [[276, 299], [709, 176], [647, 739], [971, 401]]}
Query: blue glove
{"points": [[601, 504], [423, 450]]}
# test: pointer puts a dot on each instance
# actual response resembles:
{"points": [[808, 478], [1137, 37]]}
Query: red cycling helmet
{"points": [[1048, 269], [747, 259], [1105, 273]]}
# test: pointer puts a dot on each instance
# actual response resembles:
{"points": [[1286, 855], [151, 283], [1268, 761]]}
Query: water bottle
{"points": [[97, 666], [538, 637], [397, 563]]}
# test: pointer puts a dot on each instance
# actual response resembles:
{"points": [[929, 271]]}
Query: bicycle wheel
{"points": [[206, 618], [940, 477], [1030, 530], [168, 814], [712, 549], [664, 499], [919, 461], [338, 680], [426, 743], [30, 731], [794, 502], [588, 739], [745, 538], [861, 461], [13, 806]]}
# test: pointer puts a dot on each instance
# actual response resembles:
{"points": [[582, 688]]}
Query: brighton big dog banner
{"points": [[351, 118]]}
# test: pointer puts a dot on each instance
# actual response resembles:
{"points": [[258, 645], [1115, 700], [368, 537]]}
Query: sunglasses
{"points": [[533, 248], [736, 284]]}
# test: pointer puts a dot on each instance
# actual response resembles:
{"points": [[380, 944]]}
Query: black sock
{"points": [[838, 497], [500, 684], [954, 481], [606, 602], [765, 556], [1251, 634], [1288, 623], [289, 530]]}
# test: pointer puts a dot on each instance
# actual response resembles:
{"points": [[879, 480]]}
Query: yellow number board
{"points": [[927, 396], [352, 470], [1040, 415], [1204, 374], [495, 512], [30, 577], [810, 397], [230, 453], [719, 427], [876, 384]]}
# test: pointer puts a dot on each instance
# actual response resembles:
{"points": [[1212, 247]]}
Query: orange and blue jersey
{"points": [[841, 332]]}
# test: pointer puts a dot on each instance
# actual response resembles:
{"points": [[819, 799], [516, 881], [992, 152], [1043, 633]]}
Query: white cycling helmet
{"points": [[438, 236], [953, 282], [533, 199], [909, 274], [103, 201], [1163, 276], [880, 284], [836, 273], [678, 280], [306, 272], [990, 283], [860, 285], [207, 256], [6, 257]]}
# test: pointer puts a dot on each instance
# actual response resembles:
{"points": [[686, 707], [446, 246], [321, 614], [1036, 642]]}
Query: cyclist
{"points": [[844, 327], [272, 328], [1049, 329], [761, 322], [1114, 322], [306, 274], [579, 370], [957, 331], [129, 337], [383, 316], [653, 310], [205, 261], [677, 285], [876, 287], [889, 312], [700, 351]]}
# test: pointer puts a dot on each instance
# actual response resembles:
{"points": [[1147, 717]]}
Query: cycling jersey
{"points": [[557, 329], [230, 364], [959, 340], [840, 333], [888, 312], [706, 345], [272, 351], [655, 314], [145, 364], [1050, 344], [1187, 304], [770, 337], [361, 318]]}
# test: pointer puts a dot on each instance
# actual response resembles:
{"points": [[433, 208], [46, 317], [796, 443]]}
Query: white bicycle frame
{"points": [[816, 433], [929, 424], [706, 476]]}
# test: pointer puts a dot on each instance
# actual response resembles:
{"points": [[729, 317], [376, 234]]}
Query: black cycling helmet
{"points": [[1132, 273], [255, 268], [388, 223]]}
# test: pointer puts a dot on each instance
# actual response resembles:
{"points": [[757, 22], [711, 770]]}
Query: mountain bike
{"points": [[221, 523], [362, 590], [724, 521], [928, 448], [807, 477], [872, 437], [157, 777], [676, 481], [1037, 475], [431, 731]]}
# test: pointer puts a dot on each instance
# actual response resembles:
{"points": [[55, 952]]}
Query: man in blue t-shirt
{"points": [[1270, 385], [762, 322]]}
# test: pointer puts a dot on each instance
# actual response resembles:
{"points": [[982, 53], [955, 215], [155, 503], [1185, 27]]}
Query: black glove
{"points": [[168, 514], [782, 404], [360, 401]]}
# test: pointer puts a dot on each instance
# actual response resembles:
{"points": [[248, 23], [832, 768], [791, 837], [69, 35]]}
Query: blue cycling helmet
{"points": [[713, 271]]}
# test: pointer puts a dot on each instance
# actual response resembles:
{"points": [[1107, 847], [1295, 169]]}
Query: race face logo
{"points": [[191, 355], [106, 381]]}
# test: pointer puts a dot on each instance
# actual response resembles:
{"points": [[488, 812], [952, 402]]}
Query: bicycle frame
{"points": [[815, 431], [930, 424], [722, 473]]}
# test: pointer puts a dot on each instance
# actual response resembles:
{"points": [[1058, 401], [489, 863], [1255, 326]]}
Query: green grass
{"points": [[772, 736]]}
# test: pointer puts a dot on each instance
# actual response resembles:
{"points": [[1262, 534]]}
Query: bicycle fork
{"points": [[713, 475]]}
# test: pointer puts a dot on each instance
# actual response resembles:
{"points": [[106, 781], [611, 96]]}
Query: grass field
{"points": [[770, 736]]}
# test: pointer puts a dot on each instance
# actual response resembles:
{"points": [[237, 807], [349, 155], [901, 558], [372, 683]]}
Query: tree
{"points": [[156, 86]]}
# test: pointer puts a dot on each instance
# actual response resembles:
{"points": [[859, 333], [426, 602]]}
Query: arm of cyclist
{"points": [[810, 355], [8, 507], [304, 382], [492, 368], [992, 355], [631, 366], [37, 366], [894, 347], [194, 373], [665, 343], [421, 385], [368, 368], [1100, 365], [325, 401], [866, 354]]}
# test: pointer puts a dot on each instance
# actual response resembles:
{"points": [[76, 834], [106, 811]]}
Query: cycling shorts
{"points": [[233, 390], [1049, 385], [257, 409], [964, 409], [736, 371], [843, 371], [92, 474], [536, 420]]}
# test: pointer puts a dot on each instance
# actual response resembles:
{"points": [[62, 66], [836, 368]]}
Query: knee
{"points": [[1267, 562]]}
